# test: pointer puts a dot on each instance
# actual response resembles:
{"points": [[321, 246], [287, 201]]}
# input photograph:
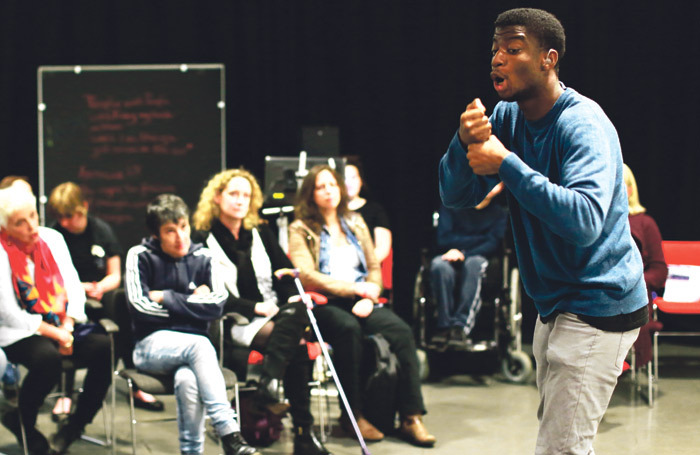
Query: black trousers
{"points": [[344, 332], [286, 358], [43, 361]]}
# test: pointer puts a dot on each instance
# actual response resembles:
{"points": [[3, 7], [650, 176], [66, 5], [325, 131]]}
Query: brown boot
{"points": [[368, 431], [414, 431]]}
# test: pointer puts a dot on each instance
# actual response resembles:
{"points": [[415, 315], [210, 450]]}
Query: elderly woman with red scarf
{"points": [[42, 319]]}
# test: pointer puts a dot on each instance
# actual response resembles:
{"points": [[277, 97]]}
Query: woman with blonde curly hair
{"points": [[647, 236], [248, 254]]}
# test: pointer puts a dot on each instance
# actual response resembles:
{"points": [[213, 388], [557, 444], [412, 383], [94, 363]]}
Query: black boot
{"points": [[68, 434], [265, 399], [36, 442], [306, 443], [234, 444]]}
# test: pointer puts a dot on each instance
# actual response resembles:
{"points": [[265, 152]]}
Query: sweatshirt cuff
{"points": [[511, 170]]}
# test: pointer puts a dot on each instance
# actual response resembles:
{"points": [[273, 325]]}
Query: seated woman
{"points": [[333, 250], [96, 255], [248, 254], [41, 307], [648, 238], [372, 212]]}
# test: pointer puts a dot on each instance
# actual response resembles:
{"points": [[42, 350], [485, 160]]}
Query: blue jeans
{"points": [[445, 277], [199, 384]]}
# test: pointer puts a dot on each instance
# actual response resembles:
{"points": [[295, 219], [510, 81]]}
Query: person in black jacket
{"points": [[174, 293], [247, 254]]}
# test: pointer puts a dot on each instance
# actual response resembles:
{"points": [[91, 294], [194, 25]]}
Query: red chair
{"points": [[388, 277], [676, 253]]}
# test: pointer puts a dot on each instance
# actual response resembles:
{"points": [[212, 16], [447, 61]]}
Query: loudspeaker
{"points": [[320, 140]]}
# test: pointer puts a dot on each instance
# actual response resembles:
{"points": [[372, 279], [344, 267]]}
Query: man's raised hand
{"points": [[474, 125]]}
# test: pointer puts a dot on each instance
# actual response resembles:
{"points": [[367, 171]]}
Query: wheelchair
{"points": [[498, 329]]}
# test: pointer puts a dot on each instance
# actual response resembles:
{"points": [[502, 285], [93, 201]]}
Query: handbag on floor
{"points": [[380, 376]]}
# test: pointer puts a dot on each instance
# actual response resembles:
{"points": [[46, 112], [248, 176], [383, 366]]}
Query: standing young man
{"points": [[174, 296], [559, 157]]}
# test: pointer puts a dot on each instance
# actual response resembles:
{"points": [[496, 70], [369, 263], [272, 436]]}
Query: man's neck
{"points": [[537, 106]]}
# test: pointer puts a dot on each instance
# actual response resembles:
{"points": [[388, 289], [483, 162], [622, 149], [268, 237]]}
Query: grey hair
{"points": [[12, 199]]}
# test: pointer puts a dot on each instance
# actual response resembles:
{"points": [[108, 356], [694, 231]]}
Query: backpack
{"points": [[258, 429], [379, 376]]}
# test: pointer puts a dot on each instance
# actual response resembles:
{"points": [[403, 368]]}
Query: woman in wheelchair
{"points": [[248, 253], [41, 314], [334, 253]]}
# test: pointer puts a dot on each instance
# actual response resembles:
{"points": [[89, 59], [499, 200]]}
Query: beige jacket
{"points": [[305, 249]]}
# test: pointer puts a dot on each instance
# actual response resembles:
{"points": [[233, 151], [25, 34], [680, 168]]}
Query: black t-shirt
{"points": [[374, 215], [91, 249]]}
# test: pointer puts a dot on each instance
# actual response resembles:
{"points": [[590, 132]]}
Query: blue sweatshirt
{"points": [[568, 206], [149, 268]]}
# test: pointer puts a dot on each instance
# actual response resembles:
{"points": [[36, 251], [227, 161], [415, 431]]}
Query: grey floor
{"points": [[475, 415]]}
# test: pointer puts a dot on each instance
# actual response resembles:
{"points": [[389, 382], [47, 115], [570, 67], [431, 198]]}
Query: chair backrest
{"points": [[681, 252], [388, 270]]}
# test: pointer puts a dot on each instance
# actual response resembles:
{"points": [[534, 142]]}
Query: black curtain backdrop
{"points": [[393, 75]]}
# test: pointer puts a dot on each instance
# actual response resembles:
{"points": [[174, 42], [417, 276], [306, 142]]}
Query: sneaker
{"points": [[458, 337], [441, 337]]}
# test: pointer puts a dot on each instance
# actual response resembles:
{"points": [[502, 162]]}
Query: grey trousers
{"points": [[577, 370]]}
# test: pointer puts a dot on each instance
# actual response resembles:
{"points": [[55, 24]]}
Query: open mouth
{"points": [[497, 79]]}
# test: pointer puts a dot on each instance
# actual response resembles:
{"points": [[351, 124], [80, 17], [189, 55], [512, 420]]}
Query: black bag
{"points": [[380, 376], [259, 428]]}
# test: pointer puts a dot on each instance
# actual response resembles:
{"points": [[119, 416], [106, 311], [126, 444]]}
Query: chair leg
{"points": [[24, 434], [650, 387], [656, 355], [112, 435], [132, 415]]}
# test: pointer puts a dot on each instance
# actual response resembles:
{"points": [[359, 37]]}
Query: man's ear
{"points": [[550, 59]]}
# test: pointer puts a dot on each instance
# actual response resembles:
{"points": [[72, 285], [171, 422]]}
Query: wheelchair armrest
{"points": [[93, 304], [109, 325]]}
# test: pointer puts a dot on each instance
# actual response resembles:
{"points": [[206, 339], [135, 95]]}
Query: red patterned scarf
{"points": [[42, 293]]}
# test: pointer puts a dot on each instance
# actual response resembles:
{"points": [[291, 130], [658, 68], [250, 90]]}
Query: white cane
{"points": [[309, 310]]}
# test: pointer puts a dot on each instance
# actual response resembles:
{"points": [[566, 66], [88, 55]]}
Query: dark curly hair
{"points": [[541, 24], [306, 208]]}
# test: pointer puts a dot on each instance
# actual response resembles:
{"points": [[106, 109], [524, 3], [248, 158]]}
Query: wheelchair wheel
{"points": [[423, 365], [418, 310], [517, 367], [515, 316]]}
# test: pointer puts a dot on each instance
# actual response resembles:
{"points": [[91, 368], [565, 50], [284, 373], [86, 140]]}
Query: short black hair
{"points": [[163, 209], [541, 24]]}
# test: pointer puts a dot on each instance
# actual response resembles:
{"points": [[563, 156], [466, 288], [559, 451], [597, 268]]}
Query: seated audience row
{"points": [[171, 312]]}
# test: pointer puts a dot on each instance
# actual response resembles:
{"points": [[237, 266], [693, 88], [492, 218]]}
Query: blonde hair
{"points": [[12, 199], [66, 199], [208, 209], [632, 194]]}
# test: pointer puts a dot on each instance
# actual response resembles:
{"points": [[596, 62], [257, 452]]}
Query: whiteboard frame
{"points": [[77, 69]]}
